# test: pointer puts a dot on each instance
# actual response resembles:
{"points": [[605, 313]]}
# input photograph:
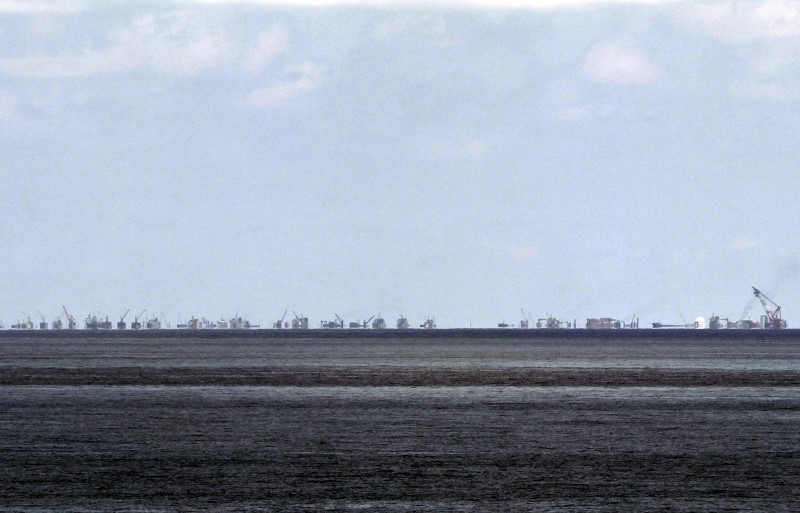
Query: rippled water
{"points": [[398, 425]]}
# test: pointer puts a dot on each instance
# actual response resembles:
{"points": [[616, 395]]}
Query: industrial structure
{"points": [[772, 319]]}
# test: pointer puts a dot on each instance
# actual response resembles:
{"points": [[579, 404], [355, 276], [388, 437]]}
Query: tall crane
{"points": [[71, 324], [121, 324], [279, 323], [137, 324], [43, 324], [774, 320]]}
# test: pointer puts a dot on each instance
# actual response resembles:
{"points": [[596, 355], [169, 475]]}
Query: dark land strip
{"points": [[374, 375]]}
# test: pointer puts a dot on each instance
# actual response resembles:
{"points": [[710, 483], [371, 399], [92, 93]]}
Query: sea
{"points": [[412, 424]]}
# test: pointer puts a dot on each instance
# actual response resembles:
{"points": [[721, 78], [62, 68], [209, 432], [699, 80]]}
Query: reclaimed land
{"points": [[435, 334]]}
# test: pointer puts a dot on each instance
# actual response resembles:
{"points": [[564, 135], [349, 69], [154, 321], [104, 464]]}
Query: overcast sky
{"points": [[578, 158]]}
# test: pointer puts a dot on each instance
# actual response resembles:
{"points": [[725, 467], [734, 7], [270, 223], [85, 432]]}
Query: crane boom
{"points": [[70, 319], [772, 309]]}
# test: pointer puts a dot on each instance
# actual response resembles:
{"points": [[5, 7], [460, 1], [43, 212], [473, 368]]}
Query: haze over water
{"points": [[459, 424]]}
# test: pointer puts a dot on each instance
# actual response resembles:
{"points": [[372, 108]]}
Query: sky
{"points": [[462, 160]]}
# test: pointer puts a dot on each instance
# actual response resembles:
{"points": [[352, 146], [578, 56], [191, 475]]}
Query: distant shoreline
{"points": [[445, 333]]}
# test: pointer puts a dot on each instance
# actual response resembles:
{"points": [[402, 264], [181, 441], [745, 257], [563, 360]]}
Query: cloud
{"points": [[619, 62], [411, 25], [40, 6], [744, 21], [484, 4], [180, 43], [308, 77], [269, 45]]}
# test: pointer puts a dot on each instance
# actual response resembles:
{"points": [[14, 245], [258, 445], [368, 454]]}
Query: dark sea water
{"points": [[399, 425]]}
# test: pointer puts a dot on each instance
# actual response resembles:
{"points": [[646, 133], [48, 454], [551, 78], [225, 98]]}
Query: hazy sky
{"points": [[579, 158]]}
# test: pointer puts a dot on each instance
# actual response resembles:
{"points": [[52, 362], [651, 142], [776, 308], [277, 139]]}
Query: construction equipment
{"points": [[136, 324], [715, 323], [774, 320], [551, 322], [299, 322], [658, 325], [331, 325], [604, 323], [379, 323], [154, 323], [357, 325], [23, 325], [238, 323], [121, 324], [71, 324], [20, 325], [93, 322], [279, 323], [43, 324], [525, 322]]}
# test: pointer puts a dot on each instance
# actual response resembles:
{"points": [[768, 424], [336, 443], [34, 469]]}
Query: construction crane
{"points": [[43, 324], [71, 324], [279, 323], [121, 324], [330, 325], [26, 324], [136, 324], [300, 322], [525, 322], [551, 322], [360, 324], [429, 324], [774, 320]]}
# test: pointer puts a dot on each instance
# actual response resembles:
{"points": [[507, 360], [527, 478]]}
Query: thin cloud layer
{"points": [[411, 134], [744, 21], [308, 77], [41, 6], [411, 25], [491, 4], [179, 43], [619, 62]]}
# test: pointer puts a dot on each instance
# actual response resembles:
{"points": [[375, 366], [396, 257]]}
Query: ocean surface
{"points": [[457, 424]]}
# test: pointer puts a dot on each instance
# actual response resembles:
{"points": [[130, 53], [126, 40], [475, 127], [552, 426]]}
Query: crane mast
{"points": [[774, 320], [70, 319]]}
